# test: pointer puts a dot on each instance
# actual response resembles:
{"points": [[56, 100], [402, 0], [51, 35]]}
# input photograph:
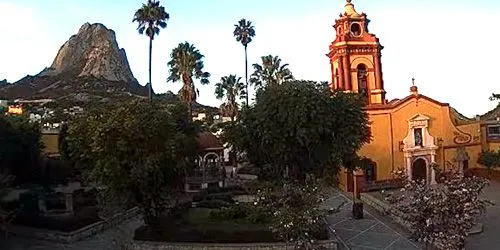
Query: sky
{"points": [[449, 46]]}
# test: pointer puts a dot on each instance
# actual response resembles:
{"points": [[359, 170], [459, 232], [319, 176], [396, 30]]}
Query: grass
{"points": [[197, 225], [201, 218]]}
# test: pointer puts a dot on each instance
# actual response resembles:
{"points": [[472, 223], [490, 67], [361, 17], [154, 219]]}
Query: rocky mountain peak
{"points": [[94, 52]]}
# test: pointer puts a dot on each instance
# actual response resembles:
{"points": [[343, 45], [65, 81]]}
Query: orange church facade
{"points": [[410, 133]]}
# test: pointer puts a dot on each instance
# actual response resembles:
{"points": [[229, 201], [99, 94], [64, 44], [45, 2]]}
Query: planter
{"points": [[357, 210]]}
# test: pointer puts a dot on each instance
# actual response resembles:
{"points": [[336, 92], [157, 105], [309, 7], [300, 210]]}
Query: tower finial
{"points": [[349, 9], [413, 88]]}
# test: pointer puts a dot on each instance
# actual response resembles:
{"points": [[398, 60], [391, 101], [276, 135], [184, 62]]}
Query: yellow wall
{"points": [[51, 143], [390, 126]]}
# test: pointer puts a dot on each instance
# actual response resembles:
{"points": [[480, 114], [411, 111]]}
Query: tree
{"points": [[271, 72], [151, 17], [295, 211], [440, 214], [231, 88], [494, 97], [244, 32], [489, 159], [6, 216], [298, 128], [139, 152], [186, 63], [21, 148]]}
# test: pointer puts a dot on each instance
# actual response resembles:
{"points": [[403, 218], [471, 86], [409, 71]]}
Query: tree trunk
{"points": [[150, 88], [190, 111], [246, 74]]}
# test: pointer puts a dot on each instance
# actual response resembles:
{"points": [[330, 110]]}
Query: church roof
{"points": [[208, 141], [397, 102]]}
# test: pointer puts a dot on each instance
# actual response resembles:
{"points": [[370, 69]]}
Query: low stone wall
{"points": [[384, 208], [68, 237], [150, 245]]}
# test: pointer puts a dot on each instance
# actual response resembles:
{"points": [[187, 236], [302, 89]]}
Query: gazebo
{"points": [[209, 171]]}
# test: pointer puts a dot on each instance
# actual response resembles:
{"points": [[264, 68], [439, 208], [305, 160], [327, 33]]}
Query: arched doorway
{"points": [[419, 169]]}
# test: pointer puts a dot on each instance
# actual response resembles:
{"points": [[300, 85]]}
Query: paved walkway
{"points": [[112, 239], [371, 232], [490, 237]]}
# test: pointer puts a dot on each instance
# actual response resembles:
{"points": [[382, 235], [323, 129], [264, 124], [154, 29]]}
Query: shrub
{"points": [[441, 214], [233, 212], [213, 204], [293, 210], [227, 197]]}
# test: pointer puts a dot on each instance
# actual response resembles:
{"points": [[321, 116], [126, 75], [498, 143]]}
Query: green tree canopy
{"points": [[301, 127], [186, 64], [270, 72], [139, 151], [232, 88], [20, 149]]}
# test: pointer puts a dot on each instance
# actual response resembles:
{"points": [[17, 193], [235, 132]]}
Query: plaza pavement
{"points": [[374, 231], [490, 237]]}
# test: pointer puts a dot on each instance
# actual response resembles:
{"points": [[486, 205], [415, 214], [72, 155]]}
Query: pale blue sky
{"points": [[449, 46]]}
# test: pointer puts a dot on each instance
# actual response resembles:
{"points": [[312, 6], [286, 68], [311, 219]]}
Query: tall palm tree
{"points": [[186, 64], [244, 32], [230, 87], [151, 17], [270, 72]]}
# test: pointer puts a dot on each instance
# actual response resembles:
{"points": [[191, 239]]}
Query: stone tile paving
{"points": [[368, 233], [490, 237]]}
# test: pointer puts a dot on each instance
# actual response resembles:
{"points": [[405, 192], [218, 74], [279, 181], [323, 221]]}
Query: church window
{"points": [[417, 132], [493, 132], [356, 29], [362, 80]]}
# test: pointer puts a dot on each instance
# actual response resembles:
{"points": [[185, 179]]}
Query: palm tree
{"points": [[244, 32], [186, 64], [270, 72], [151, 17], [231, 88]]}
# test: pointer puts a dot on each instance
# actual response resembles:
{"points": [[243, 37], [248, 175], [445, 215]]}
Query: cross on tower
{"points": [[413, 81]]}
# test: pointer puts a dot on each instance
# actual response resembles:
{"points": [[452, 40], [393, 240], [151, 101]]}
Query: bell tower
{"points": [[355, 57]]}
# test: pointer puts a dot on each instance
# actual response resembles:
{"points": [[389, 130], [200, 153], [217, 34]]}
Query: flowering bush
{"points": [[440, 214], [294, 211]]}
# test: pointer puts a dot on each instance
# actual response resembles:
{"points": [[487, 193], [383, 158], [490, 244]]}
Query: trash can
{"points": [[357, 210]]}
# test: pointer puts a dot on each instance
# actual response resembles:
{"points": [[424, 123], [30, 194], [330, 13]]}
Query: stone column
{"points": [[341, 83], [461, 167], [42, 204], [68, 199], [408, 167], [378, 71], [433, 172], [347, 72]]}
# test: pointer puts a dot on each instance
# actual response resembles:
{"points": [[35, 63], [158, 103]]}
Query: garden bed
{"points": [[198, 225]]}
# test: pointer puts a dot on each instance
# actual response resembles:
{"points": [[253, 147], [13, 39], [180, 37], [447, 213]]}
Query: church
{"points": [[415, 132]]}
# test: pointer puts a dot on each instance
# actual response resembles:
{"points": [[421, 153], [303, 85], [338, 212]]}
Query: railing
{"points": [[382, 184]]}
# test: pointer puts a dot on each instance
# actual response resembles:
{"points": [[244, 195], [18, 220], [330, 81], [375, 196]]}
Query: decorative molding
{"points": [[460, 137]]}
